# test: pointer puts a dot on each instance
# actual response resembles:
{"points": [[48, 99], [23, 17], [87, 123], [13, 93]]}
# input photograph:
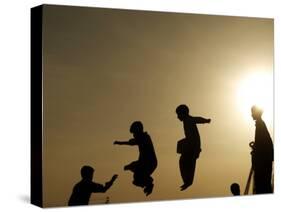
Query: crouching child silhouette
{"points": [[147, 161], [82, 190], [190, 146]]}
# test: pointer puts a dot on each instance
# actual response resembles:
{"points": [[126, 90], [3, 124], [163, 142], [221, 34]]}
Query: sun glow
{"points": [[256, 89]]}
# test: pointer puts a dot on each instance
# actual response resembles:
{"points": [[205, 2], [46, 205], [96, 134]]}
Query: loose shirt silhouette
{"points": [[192, 134], [147, 154], [82, 192]]}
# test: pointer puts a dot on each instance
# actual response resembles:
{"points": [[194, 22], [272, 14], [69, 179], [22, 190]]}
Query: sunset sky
{"points": [[104, 69]]}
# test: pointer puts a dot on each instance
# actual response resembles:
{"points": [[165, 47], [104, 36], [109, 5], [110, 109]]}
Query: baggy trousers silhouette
{"points": [[187, 163]]}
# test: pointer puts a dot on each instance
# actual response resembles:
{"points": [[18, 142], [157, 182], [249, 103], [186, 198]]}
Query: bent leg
{"points": [[139, 179], [131, 166]]}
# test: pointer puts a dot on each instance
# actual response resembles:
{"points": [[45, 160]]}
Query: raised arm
{"points": [[201, 120], [131, 142]]}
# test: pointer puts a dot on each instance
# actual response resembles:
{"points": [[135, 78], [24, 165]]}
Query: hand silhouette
{"points": [[114, 177]]}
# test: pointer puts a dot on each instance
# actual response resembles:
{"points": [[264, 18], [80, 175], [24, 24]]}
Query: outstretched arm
{"points": [[110, 183], [98, 188], [201, 120], [131, 142]]}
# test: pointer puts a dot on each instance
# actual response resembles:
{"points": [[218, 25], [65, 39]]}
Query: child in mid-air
{"points": [[190, 146], [147, 161]]}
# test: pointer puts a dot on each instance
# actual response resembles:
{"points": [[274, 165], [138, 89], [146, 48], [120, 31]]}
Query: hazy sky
{"points": [[104, 69]]}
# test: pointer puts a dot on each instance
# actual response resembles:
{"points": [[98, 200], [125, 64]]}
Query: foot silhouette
{"points": [[184, 186], [148, 189]]}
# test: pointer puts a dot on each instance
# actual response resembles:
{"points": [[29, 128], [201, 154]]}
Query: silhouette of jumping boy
{"points": [[82, 191], [147, 161], [262, 154], [190, 146]]}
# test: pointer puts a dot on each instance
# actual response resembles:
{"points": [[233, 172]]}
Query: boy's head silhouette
{"points": [[256, 112], [182, 111], [235, 189], [136, 128], [87, 172]]}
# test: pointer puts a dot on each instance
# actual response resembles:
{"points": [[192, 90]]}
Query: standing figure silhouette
{"points": [[262, 154], [82, 190], [147, 161], [190, 146]]}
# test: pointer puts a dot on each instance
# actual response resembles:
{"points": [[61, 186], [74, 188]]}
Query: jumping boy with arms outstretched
{"points": [[147, 161], [190, 146]]}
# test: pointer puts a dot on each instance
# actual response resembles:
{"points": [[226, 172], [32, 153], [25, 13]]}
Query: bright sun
{"points": [[256, 89]]}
